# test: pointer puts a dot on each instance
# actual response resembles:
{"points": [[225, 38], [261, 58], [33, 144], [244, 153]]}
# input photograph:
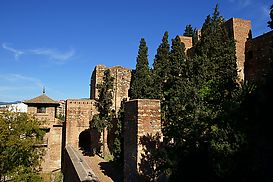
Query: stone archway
{"points": [[85, 141]]}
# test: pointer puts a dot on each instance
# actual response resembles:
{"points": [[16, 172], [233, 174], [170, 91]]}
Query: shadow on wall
{"points": [[153, 156], [112, 170]]}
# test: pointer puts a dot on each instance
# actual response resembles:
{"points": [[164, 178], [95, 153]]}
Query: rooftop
{"points": [[42, 99]]}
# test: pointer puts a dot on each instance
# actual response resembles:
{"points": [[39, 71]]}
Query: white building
{"points": [[14, 107]]}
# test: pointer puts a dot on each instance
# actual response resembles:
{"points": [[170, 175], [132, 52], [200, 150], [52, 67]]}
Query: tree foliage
{"points": [[104, 102], [201, 101], [19, 155], [140, 86], [173, 100], [256, 156], [215, 128], [102, 120], [188, 31], [161, 67], [118, 150]]}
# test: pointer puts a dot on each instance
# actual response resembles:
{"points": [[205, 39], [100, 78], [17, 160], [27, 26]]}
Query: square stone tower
{"points": [[122, 78], [44, 109], [240, 30]]}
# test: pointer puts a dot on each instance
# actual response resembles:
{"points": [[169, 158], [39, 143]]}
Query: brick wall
{"points": [[122, 78], [49, 115], [142, 118], [240, 30], [52, 158], [258, 56], [78, 114], [52, 139], [96, 78]]}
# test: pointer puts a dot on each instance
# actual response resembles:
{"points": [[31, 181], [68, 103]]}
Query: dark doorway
{"points": [[95, 141], [85, 142]]}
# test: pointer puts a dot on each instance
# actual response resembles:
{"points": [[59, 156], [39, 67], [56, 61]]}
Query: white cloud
{"points": [[16, 52], [52, 54]]}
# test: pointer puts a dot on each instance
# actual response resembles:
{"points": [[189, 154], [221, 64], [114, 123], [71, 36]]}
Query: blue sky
{"points": [[57, 43]]}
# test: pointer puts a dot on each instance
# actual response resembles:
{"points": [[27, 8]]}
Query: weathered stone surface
{"points": [[240, 30], [187, 41], [52, 158], [75, 168], [79, 113], [122, 78], [258, 57], [53, 127], [142, 118]]}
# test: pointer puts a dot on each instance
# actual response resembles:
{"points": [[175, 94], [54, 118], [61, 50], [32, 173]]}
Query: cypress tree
{"points": [[188, 31], [140, 86], [201, 106], [219, 49], [195, 37], [104, 103], [118, 150], [218, 92], [161, 67], [181, 125], [173, 87]]}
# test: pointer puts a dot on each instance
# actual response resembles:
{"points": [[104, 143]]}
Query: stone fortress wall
{"points": [[79, 112], [253, 54], [258, 55], [122, 78], [142, 119], [143, 116]]}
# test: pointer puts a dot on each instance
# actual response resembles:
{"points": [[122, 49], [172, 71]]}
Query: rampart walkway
{"points": [[77, 168]]}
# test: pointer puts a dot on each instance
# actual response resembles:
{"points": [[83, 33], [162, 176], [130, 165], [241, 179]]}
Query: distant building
{"points": [[18, 107], [13, 106], [45, 109], [61, 109]]}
